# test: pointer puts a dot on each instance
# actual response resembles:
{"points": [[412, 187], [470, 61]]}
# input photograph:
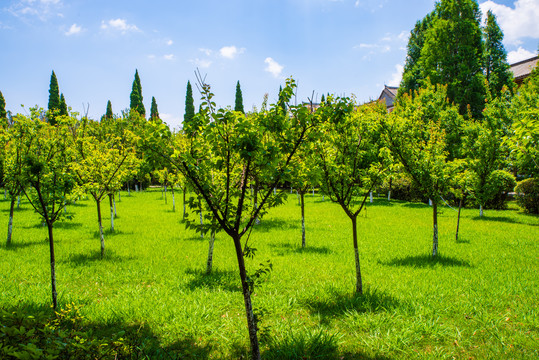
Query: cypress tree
{"points": [[109, 114], [453, 54], [154, 113], [189, 105], [239, 99], [3, 113], [495, 64], [54, 98], [135, 98], [63, 105], [322, 99]]}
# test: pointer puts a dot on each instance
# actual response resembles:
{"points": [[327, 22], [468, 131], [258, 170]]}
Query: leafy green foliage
{"points": [[528, 195], [495, 64], [3, 113]]}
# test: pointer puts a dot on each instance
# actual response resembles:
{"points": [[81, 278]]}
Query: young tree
{"points": [[63, 106], [524, 136], [46, 165], [136, 100], [222, 151], [495, 63], [105, 158], [189, 105], [154, 113], [417, 134], [239, 99], [349, 151]]}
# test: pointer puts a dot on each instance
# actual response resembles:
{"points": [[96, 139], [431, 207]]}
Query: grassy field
{"points": [[478, 299]]}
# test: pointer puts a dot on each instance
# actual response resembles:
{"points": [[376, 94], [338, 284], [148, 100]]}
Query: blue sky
{"points": [[338, 46]]}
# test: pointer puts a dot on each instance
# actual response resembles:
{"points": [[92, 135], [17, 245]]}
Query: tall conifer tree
{"points": [[495, 63], [109, 114], [189, 105], [3, 113], [239, 99], [136, 102], [63, 105], [154, 113]]}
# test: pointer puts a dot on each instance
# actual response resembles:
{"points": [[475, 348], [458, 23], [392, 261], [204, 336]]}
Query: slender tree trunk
{"points": [[10, 224], [255, 198], [136, 187], [114, 204], [201, 219], [184, 208], [18, 202], [458, 221], [128, 189], [434, 228], [370, 196], [313, 191], [173, 201], [111, 213], [480, 210], [389, 192], [101, 235], [53, 271], [297, 196], [209, 262], [251, 322], [359, 283], [165, 194], [119, 196], [302, 221]]}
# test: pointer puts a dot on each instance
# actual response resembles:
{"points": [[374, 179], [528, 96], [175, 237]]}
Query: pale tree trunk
{"points": [[434, 228], [209, 262], [313, 191], [251, 321], [18, 202], [10, 224], [255, 199], [480, 210], [136, 187], [173, 201], [274, 191], [389, 192], [458, 221], [359, 283], [184, 208], [111, 213], [53, 271], [370, 196], [128, 189], [114, 204], [165, 194], [101, 235], [302, 221], [297, 196]]}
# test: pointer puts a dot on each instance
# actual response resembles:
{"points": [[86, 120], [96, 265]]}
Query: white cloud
{"points": [[170, 42], [516, 23], [273, 67], [73, 30], [518, 55], [230, 52], [396, 76], [207, 52], [174, 121], [168, 57], [201, 63], [42, 9], [120, 25]]}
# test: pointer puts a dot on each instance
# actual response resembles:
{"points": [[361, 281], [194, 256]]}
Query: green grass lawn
{"points": [[478, 299]]}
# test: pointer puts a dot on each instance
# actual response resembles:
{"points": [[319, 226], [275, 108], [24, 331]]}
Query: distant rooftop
{"points": [[522, 69]]}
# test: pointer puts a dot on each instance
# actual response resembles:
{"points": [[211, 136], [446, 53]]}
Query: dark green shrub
{"points": [[500, 184], [402, 188], [528, 195]]}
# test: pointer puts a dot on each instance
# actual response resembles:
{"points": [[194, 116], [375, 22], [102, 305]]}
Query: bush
{"points": [[528, 195], [26, 335], [500, 183], [403, 188]]}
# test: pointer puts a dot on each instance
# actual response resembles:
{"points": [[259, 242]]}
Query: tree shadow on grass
{"points": [[15, 246], [337, 304], [501, 219], [57, 225], [109, 232], [218, 279], [301, 344], [267, 225], [424, 261], [281, 248], [95, 256], [416, 205], [16, 210], [118, 338]]}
